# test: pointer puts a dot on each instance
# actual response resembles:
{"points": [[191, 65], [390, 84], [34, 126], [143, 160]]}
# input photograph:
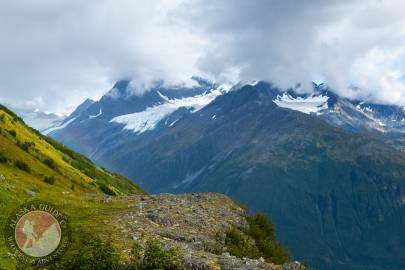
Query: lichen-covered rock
{"points": [[30, 193], [194, 224], [293, 266]]}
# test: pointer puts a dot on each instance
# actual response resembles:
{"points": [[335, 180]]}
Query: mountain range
{"points": [[112, 216], [329, 171]]}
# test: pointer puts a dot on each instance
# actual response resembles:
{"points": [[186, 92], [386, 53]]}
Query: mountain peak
{"points": [[119, 89], [122, 85]]}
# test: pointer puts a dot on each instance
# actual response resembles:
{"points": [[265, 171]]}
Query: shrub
{"points": [[258, 240], [261, 229], [90, 253], [22, 166], [240, 245], [49, 179], [3, 158], [12, 132], [136, 257], [106, 189], [260, 226], [214, 246], [157, 258], [65, 159], [50, 163], [25, 146]]}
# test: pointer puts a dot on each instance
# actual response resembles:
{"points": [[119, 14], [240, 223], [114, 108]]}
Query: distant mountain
{"points": [[383, 122], [161, 107], [319, 165], [101, 123], [38, 119]]}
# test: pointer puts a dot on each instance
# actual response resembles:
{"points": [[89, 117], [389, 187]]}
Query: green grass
{"points": [[31, 161]]}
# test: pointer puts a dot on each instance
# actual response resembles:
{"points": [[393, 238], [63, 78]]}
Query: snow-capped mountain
{"points": [[350, 114], [38, 119], [148, 119], [384, 122], [312, 155], [121, 111], [67, 120]]}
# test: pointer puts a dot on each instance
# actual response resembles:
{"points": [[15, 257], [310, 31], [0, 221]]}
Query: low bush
{"points": [[155, 257], [65, 159], [240, 244], [89, 253], [50, 180], [25, 145], [22, 166], [3, 158], [262, 230], [106, 189], [50, 163], [258, 240], [12, 132]]}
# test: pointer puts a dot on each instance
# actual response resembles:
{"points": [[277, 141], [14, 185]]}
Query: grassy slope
{"points": [[72, 173]]}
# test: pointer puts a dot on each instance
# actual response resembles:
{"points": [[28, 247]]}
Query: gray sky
{"points": [[54, 54]]}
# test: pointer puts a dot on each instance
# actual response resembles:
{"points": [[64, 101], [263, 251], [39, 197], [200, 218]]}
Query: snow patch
{"points": [[140, 122], [364, 109], [52, 129], [311, 104], [174, 122], [163, 96], [97, 115]]}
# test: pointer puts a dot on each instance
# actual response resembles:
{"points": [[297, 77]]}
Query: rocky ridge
{"points": [[194, 224]]}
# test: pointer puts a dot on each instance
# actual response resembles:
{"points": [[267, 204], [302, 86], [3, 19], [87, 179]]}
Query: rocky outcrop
{"points": [[193, 223]]}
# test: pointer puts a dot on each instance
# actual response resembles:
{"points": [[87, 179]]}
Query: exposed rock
{"points": [[108, 199], [159, 219], [194, 224], [9, 186], [30, 193], [198, 264], [293, 266]]}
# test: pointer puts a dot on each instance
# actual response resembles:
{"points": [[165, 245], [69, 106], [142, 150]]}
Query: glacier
{"points": [[140, 122], [308, 105]]}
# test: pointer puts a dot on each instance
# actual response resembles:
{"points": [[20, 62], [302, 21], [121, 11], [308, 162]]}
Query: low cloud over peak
{"points": [[56, 54]]}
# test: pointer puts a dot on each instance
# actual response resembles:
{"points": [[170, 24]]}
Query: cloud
{"points": [[55, 54], [344, 43]]}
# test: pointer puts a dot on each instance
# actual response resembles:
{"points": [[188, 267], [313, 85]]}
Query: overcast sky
{"points": [[54, 54]]}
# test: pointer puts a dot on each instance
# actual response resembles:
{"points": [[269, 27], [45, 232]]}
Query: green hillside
{"points": [[35, 166]]}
